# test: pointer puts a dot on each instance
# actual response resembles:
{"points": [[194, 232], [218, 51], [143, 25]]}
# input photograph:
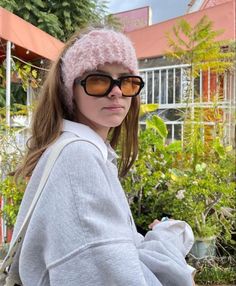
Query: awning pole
{"points": [[8, 83]]}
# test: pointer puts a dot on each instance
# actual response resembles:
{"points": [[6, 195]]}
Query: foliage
{"points": [[24, 76], [204, 197], [214, 270], [162, 181], [22, 73], [10, 155], [146, 108], [59, 18], [202, 141], [205, 180], [210, 275], [10, 149], [198, 46], [12, 194], [149, 177]]}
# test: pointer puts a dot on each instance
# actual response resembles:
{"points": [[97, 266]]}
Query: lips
{"points": [[114, 107]]}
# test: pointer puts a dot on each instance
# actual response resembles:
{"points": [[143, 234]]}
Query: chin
{"points": [[115, 124]]}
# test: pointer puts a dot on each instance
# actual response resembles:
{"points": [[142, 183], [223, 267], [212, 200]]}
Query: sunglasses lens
{"points": [[131, 86], [97, 85]]}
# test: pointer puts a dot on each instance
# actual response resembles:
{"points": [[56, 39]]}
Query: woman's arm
{"points": [[174, 235], [107, 254]]}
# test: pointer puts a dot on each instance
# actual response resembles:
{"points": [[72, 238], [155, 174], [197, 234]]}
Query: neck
{"points": [[102, 131]]}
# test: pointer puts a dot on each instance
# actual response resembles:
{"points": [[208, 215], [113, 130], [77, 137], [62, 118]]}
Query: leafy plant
{"points": [[150, 175], [162, 181], [209, 275], [215, 270], [12, 194], [10, 150], [198, 46], [10, 154], [22, 73], [204, 197]]}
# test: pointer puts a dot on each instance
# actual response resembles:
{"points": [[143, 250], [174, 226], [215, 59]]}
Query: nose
{"points": [[116, 91]]}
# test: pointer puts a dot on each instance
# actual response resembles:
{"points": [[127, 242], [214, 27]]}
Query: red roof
{"points": [[151, 41], [26, 37]]}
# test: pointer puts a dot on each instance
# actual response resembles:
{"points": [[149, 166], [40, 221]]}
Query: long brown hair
{"points": [[52, 109]]}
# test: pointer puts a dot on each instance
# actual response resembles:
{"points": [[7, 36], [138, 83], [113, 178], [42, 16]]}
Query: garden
{"points": [[191, 180]]}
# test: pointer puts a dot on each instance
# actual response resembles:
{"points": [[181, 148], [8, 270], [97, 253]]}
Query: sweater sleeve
{"points": [[107, 254], [164, 248]]}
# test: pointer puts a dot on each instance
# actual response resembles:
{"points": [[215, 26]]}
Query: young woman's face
{"points": [[102, 113]]}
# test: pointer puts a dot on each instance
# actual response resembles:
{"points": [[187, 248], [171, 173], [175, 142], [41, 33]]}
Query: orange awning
{"points": [[26, 37]]}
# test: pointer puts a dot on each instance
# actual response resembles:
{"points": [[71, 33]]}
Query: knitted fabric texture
{"points": [[98, 47]]}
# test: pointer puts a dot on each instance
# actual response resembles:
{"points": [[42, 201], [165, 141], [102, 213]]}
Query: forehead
{"points": [[113, 69]]}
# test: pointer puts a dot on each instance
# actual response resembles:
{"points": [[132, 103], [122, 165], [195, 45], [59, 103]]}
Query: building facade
{"points": [[167, 84]]}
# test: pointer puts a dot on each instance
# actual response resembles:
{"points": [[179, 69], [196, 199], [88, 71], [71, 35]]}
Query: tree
{"points": [[198, 47], [59, 18]]}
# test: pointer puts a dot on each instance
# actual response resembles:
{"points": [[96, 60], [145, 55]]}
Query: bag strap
{"points": [[48, 167]]}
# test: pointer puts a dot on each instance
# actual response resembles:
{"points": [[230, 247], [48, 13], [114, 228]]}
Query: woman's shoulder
{"points": [[79, 147]]}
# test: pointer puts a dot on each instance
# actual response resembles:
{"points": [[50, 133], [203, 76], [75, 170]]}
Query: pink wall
{"points": [[134, 19]]}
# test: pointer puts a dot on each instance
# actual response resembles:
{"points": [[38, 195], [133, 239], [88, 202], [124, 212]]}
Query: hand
{"points": [[156, 221], [151, 225]]}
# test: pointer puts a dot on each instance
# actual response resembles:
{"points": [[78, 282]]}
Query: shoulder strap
{"points": [[48, 167]]}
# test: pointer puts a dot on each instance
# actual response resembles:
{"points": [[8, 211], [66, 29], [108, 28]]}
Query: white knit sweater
{"points": [[82, 231]]}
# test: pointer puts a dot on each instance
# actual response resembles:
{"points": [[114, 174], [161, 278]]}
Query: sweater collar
{"points": [[87, 133]]}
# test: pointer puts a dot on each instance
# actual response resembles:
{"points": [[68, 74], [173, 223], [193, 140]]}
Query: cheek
{"points": [[128, 103], [76, 95], [80, 98]]}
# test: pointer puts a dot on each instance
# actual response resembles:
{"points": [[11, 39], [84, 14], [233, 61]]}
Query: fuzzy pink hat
{"points": [[98, 47]]}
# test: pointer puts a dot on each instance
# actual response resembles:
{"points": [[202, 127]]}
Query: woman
{"points": [[82, 231]]}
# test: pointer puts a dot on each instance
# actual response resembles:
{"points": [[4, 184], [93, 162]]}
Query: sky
{"points": [[162, 10]]}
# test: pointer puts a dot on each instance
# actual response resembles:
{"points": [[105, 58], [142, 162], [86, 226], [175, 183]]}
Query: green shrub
{"points": [[12, 194], [163, 181]]}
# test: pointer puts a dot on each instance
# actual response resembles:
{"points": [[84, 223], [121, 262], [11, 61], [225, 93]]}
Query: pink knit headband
{"points": [[98, 47]]}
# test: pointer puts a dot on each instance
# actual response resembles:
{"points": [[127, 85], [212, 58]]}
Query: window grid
{"points": [[161, 81]]}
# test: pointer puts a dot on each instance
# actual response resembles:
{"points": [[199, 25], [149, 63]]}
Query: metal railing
{"points": [[172, 88]]}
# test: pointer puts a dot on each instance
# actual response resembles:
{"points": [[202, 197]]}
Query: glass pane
{"points": [[173, 114], [177, 131]]}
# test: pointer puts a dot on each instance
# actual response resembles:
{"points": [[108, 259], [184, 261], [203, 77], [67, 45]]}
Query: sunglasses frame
{"points": [[113, 82]]}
